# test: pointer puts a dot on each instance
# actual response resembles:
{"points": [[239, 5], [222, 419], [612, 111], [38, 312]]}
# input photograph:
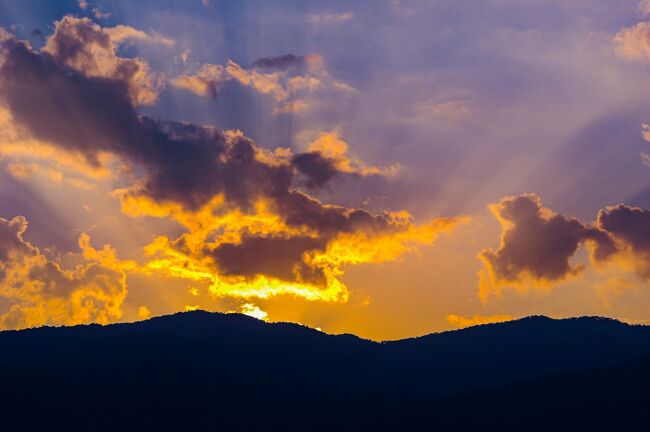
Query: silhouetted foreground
{"points": [[203, 371]]}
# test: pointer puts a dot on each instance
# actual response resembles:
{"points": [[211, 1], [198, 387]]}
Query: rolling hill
{"points": [[209, 371]]}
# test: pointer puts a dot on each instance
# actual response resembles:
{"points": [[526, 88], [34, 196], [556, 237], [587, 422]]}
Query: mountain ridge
{"points": [[216, 366], [201, 312]]}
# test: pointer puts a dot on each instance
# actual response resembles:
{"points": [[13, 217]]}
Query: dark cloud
{"points": [[318, 169], [603, 243], [283, 62], [85, 46], [630, 226], [184, 163], [535, 241], [11, 237], [540, 243], [87, 115], [60, 105], [280, 257], [299, 209]]}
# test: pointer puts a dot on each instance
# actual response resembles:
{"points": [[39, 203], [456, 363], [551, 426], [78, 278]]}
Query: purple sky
{"points": [[438, 108]]}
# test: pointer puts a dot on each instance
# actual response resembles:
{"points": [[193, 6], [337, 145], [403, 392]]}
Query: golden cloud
{"points": [[39, 291]]}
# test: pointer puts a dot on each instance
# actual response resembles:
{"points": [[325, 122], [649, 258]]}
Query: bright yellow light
{"points": [[254, 311], [216, 224]]}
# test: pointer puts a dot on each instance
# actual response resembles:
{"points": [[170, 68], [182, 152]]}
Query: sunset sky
{"points": [[379, 167]]}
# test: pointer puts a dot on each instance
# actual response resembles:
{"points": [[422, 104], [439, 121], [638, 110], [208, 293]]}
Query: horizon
{"points": [[377, 168], [190, 313]]}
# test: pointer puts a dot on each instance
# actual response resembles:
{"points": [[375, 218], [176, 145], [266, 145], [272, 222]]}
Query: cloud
{"points": [[292, 107], [249, 232], [206, 82], [280, 62], [33, 86], [330, 18], [186, 163], [123, 33], [88, 48], [210, 78], [629, 227], [611, 289], [462, 322], [288, 79], [318, 169], [633, 43], [25, 171], [297, 246], [38, 291], [327, 158], [275, 256], [144, 312], [100, 14], [254, 311], [645, 133], [265, 83], [644, 7], [536, 245], [21, 171]]}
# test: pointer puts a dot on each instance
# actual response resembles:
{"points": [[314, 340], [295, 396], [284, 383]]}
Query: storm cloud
{"points": [[538, 243]]}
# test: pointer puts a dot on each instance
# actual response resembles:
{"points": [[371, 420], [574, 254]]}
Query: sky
{"points": [[383, 168]]}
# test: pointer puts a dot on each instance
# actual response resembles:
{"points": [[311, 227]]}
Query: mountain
{"points": [[208, 371]]}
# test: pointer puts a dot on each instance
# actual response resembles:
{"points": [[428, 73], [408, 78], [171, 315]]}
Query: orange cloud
{"points": [[206, 82], [331, 146], [143, 312], [287, 79], [611, 289], [39, 291], [633, 43], [123, 33], [261, 236]]}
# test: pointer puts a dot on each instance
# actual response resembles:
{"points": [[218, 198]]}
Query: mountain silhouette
{"points": [[210, 371]]}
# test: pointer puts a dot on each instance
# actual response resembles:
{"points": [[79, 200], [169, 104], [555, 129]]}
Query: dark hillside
{"points": [[232, 372]]}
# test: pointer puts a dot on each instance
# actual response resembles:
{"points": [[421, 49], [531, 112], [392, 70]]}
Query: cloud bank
{"points": [[250, 232]]}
